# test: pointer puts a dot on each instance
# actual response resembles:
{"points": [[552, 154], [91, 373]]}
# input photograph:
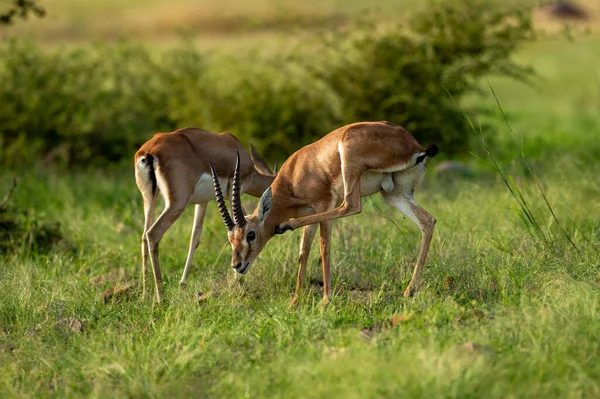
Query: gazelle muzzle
{"points": [[242, 267]]}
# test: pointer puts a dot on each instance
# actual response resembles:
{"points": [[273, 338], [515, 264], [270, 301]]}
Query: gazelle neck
{"points": [[282, 208]]}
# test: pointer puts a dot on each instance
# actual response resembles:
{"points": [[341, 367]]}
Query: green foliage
{"points": [[275, 102], [95, 106], [80, 105], [533, 310], [21, 232], [525, 211], [404, 73]]}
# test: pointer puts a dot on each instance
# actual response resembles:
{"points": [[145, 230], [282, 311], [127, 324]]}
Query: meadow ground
{"points": [[528, 313]]}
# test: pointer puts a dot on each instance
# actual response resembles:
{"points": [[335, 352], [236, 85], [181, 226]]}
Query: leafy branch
{"points": [[22, 9]]}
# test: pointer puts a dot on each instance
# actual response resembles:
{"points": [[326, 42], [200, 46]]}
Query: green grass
{"points": [[487, 281]]}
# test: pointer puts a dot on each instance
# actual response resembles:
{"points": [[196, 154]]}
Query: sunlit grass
{"points": [[534, 310]]}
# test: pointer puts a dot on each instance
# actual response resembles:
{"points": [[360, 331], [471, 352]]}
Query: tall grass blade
{"points": [[530, 170], [525, 212]]}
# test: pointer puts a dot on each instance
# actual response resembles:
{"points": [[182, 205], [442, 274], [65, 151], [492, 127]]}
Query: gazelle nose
{"points": [[238, 266]]}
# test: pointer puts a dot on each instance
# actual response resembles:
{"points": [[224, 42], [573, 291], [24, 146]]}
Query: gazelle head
{"points": [[246, 234]]}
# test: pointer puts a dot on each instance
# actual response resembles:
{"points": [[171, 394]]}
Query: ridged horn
{"points": [[236, 203], [220, 200]]}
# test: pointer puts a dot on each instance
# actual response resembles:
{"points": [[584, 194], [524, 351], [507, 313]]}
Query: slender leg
{"points": [[149, 207], [325, 228], [199, 213], [308, 236], [351, 204], [406, 204], [155, 234]]}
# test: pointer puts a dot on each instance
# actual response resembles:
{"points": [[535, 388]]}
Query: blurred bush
{"points": [[95, 105], [274, 101], [414, 73], [79, 106], [22, 231]]}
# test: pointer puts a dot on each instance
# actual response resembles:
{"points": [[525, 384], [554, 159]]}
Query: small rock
{"points": [[69, 324], [566, 10]]}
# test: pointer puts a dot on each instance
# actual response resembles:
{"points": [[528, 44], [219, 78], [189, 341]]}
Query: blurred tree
{"points": [[20, 8], [405, 73]]}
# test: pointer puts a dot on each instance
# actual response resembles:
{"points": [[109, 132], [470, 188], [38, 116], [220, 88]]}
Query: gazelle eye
{"points": [[251, 236]]}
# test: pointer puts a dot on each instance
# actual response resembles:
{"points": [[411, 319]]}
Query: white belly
{"points": [[371, 182], [204, 190]]}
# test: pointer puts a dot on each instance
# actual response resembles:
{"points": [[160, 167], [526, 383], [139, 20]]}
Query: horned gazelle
{"points": [[326, 180], [176, 165]]}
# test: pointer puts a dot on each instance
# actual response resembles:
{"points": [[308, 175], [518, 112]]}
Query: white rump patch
{"points": [[143, 169]]}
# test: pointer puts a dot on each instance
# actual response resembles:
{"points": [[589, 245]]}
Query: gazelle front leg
{"points": [[308, 236], [406, 204], [199, 213], [351, 204]]}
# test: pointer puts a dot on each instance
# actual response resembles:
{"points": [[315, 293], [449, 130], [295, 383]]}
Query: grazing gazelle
{"points": [[176, 165], [326, 180]]}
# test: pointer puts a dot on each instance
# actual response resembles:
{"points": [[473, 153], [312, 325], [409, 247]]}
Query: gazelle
{"points": [[176, 165], [326, 180]]}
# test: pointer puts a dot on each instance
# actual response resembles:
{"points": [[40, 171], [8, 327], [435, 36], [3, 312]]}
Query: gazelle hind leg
{"points": [[351, 205], [149, 208], [166, 219], [402, 199], [308, 235], [199, 213], [325, 228]]}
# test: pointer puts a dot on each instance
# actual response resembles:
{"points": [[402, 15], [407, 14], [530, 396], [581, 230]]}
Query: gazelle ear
{"points": [[259, 162], [265, 204]]}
